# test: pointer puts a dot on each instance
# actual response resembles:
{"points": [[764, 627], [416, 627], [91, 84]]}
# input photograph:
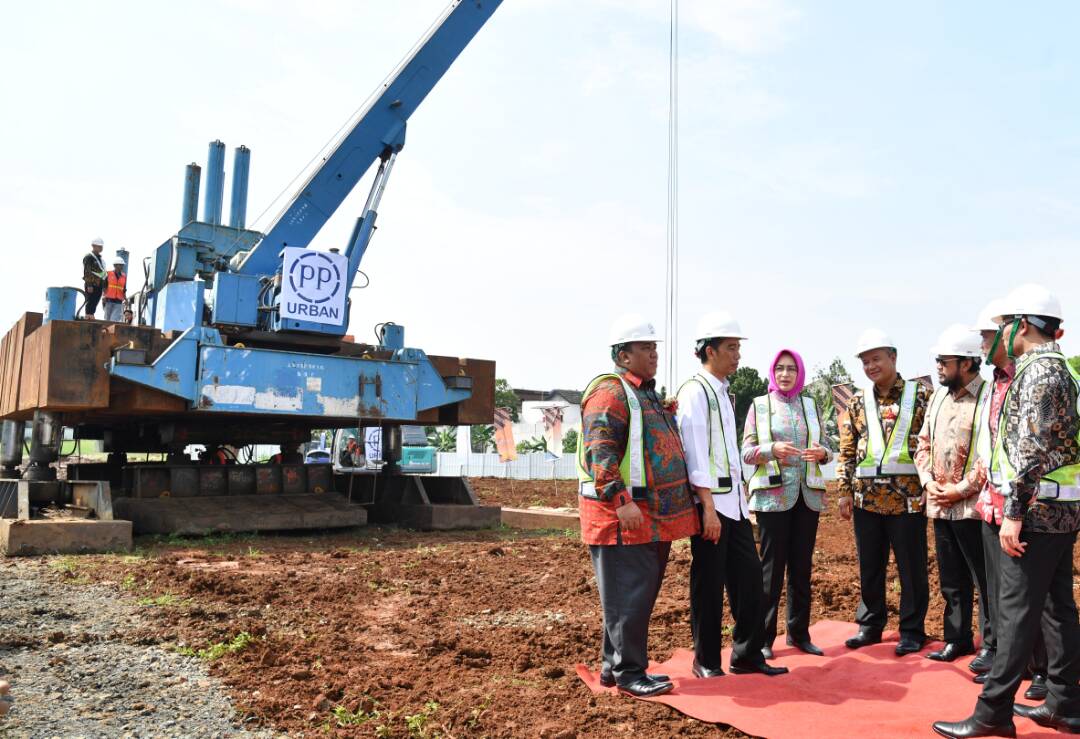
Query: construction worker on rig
{"points": [[724, 556], [1035, 463], [288, 453], [878, 484], [115, 290], [93, 277], [634, 500]]}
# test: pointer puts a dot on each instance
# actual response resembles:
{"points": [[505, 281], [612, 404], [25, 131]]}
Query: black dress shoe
{"points": [[972, 727], [863, 639], [702, 671], [766, 652], [1037, 690], [980, 678], [805, 645], [608, 680], [909, 645], [760, 668], [645, 688], [983, 661], [952, 651], [1043, 716]]}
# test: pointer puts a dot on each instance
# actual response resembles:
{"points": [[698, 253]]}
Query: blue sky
{"points": [[843, 164]]}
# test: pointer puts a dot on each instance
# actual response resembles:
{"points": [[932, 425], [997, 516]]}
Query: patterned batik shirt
{"points": [[891, 495], [944, 458], [669, 507], [1041, 423], [787, 423]]}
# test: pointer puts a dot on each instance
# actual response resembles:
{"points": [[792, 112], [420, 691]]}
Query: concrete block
{"points": [[436, 517], [540, 518], [63, 536], [197, 516]]}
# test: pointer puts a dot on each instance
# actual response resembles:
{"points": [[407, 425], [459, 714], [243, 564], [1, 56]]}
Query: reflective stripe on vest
{"points": [[1061, 484], [768, 475], [115, 286], [895, 458], [719, 464], [981, 403], [632, 465]]}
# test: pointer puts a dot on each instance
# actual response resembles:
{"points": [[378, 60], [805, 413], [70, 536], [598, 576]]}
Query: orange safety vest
{"points": [[115, 287]]}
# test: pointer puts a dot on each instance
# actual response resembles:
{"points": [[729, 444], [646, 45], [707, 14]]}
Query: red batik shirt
{"points": [[668, 508]]}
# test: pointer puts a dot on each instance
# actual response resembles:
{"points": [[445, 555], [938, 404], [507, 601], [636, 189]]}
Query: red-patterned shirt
{"points": [[991, 502], [668, 507]]}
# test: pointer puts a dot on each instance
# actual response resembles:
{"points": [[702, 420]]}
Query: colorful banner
{"points": [[504, 435]]}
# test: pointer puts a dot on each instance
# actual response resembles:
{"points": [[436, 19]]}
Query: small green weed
{"points": [[238, 643], [417, 722], [167, 599]]}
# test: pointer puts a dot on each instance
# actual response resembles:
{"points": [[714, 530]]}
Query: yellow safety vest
{"points": [[719, 464], [768, 475], [894, 458], [632, 465], [979, 426]]}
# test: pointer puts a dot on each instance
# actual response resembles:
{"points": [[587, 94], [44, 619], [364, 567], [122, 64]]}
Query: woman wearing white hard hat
{"points": [[782, 438], [1035, 461], [946, 455], [724, 556], [878, 485], [633, 500]]}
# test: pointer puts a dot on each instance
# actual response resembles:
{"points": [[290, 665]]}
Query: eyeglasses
{"points": [[945, 360]]}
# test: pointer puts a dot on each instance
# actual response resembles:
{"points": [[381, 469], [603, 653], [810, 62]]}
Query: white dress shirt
{"points": [[693, 420]]}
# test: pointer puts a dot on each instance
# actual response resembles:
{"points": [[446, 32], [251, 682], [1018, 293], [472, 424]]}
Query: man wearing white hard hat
{"points": [[991, 503], [1035, 463], [878, 485], [115, 290], [93, 277], [724, 555], [946, 455], [634, 500]]}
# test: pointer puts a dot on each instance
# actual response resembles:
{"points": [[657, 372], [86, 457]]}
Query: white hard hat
{"points": [[119, 260], [632, 327], [1030, 300], [987, 320], [718, 325], [873, 338], [958, 341], [98, 242]]}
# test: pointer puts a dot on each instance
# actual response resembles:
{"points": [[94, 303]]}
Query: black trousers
{"points": [[961, 568], [1037, 586], [731, 564], [93, 297], [787, 544], [628, 578], [992, 555], [905, 533]]}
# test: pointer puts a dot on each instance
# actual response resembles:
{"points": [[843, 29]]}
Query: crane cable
{"points": [[671, 307]]}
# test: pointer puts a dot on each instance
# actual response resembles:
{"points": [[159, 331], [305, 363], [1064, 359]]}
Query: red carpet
{"points": [[868, 692]]}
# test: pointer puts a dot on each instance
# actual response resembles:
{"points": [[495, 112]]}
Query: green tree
{"points": [[569, 441], [746, 384], [535, 444], [505, 397], [443, 439], [482, 438], [1075, 362], [820, 389]]}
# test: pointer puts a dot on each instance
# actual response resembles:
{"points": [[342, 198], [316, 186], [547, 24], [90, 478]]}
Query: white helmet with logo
{"points": [[631, 327], [958, 341], [718, 325], [873, 338], [98, 242], [118, 260], [1030, 300]]}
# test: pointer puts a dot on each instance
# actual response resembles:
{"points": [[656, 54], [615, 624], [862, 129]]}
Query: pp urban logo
{"points": [[314, 287]]}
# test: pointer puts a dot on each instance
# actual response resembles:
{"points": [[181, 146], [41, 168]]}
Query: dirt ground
{"points": [[384, 632]]}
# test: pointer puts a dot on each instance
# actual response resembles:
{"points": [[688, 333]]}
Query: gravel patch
{"points": [[74, 671]]}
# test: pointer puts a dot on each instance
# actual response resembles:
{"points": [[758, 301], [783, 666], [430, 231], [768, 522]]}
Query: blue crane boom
{"points": [[379, 133]]}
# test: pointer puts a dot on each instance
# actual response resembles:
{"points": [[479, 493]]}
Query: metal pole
{"points": [[238, 204], [215, 183], [192, 180]]}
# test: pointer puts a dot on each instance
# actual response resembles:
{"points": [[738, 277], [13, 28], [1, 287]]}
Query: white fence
{"points": [[534, 466]]}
